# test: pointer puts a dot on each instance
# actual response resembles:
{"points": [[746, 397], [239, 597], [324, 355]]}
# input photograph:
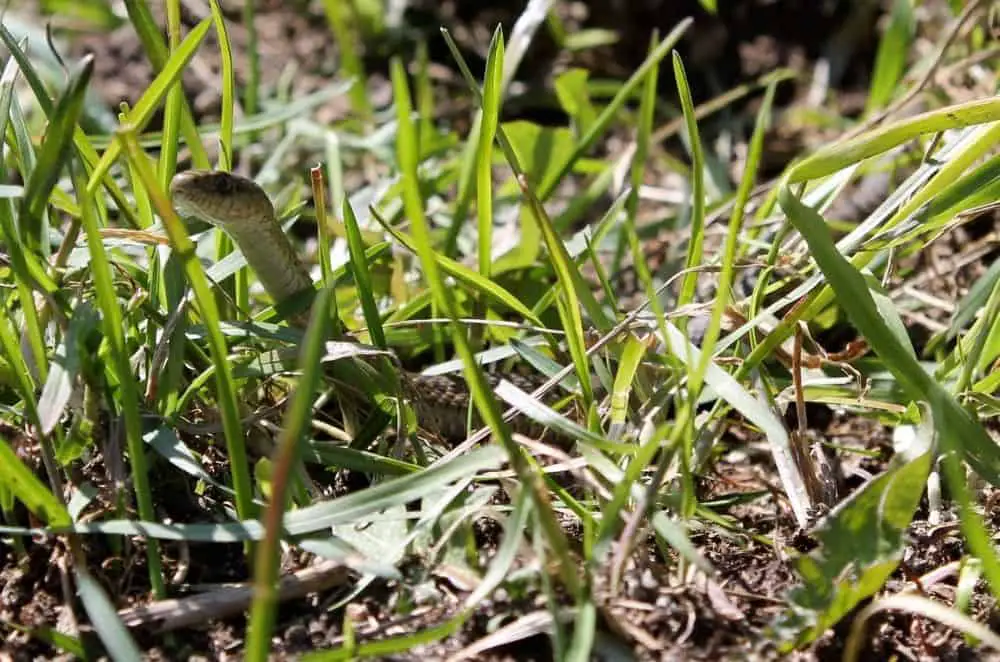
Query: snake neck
{"points": [[271, 255]]}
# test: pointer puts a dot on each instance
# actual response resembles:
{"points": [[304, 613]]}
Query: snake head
{"points": [[221, 198]]}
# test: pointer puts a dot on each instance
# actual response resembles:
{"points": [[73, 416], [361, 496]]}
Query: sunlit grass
{"points": [[164, 335]]}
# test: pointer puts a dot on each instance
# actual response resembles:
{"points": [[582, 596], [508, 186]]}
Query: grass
{"points": [[123, 320]]}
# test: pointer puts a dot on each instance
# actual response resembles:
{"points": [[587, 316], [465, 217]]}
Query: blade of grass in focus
{"points": [[226, 391], [957, 430], [479, 389], [287, 459]]}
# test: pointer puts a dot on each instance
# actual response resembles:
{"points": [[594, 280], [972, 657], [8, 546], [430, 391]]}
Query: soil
{"points": [[657, 609]]}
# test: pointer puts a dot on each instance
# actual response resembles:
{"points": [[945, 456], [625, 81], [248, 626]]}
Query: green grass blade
{"points": [[571, 317], [965, 150], [19, 369], [981, 141], [224, 245], [890, 61], [974, 300], [362, 276], [338, 16], [601, 123], [337, 456], [697, 224], [551, 419], [490, 117], [140, 115], [175, 100], [391, 493], [323, 223], [65, 368], [971, 190], [117, 640], [628, 367], [744, 190], [694, 258], [276, 115], [384, 648], [424, 93], [226, 391], [83, 146], [983, 342], [573, 285], [100, 267], [584, 632], [956, 428], [286, 461], [465, 276], [30, 491], [149, 34], [53, 154], [479, 389], [228, 88], [828, 160], [614, 107], [8, 86]]}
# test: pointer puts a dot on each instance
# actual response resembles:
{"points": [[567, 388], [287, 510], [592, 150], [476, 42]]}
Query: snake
{"points": [[242, 209]]}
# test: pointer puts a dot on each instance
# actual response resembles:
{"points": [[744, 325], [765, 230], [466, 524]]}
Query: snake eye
{"points": [[228, 184], [224, 183]]}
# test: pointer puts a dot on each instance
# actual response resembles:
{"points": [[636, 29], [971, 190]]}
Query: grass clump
{"points": [[167, 426]]}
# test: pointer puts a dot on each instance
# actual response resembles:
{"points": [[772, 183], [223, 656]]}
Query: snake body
{"points": [[241, 208]]}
